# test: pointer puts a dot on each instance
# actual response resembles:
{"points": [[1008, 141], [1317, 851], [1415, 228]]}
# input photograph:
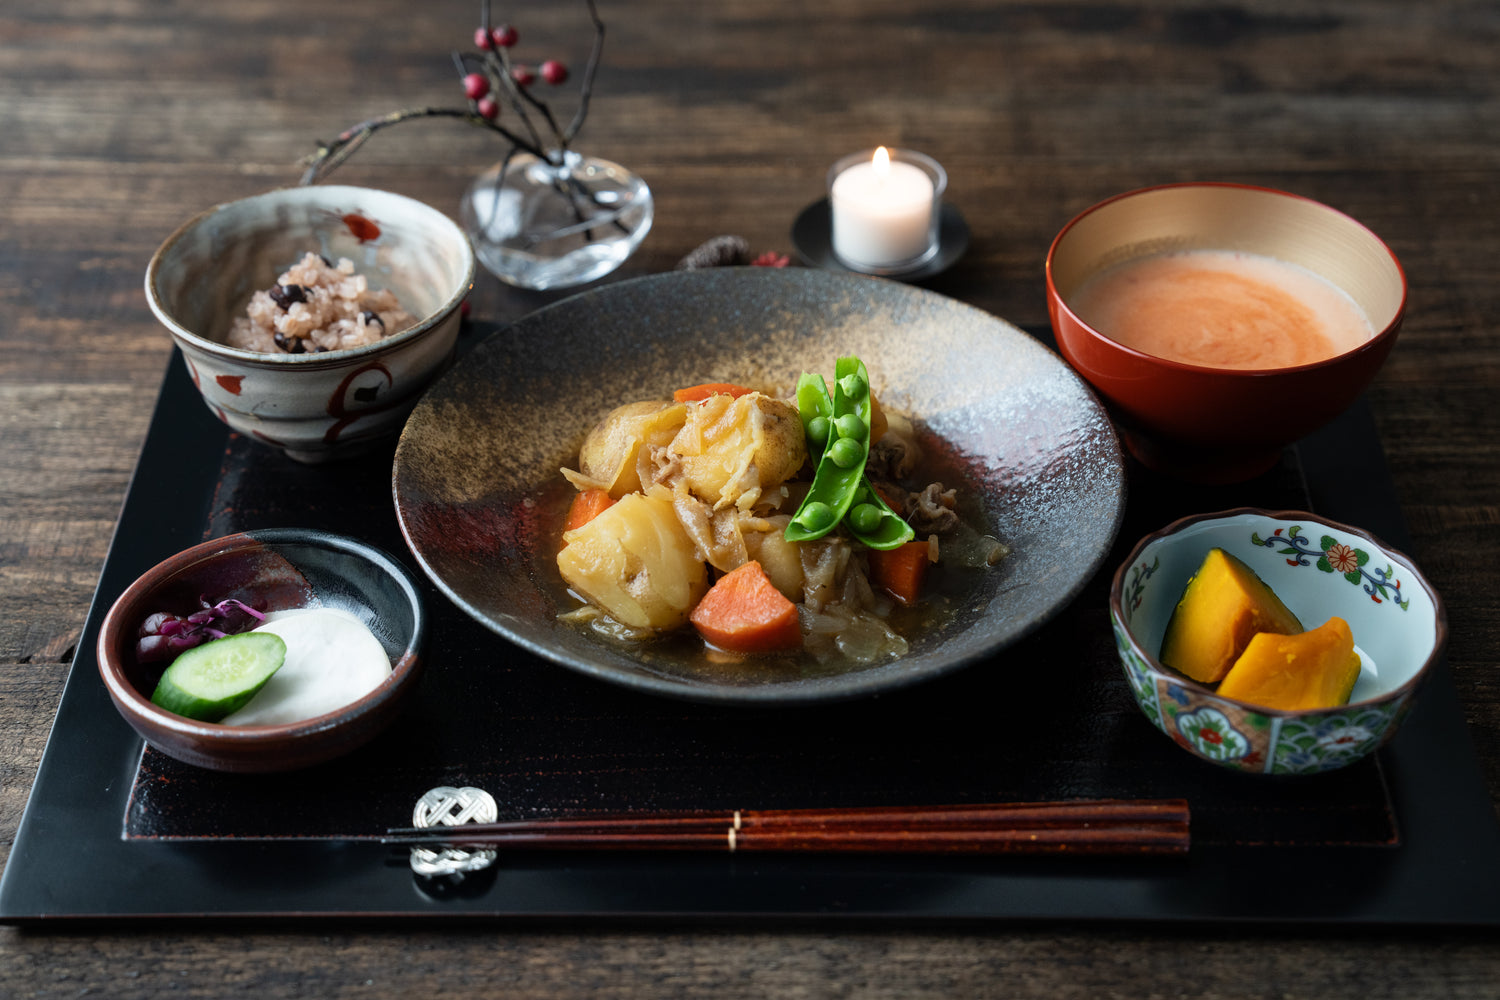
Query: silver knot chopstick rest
{"points": [[447, 806]]}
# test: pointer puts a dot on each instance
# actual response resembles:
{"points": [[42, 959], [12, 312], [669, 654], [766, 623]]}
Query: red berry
{"points": [[505, 36], [476, 86], [554, 72], [481, 39], [488, 108], [523, 75]]}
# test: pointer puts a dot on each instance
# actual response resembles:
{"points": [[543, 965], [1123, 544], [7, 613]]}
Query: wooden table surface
{"points": [[120, 118]]}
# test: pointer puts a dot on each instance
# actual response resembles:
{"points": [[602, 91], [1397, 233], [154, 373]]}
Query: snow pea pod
{"points": [[841, 468], [870, 520], [838, 435], [815, 407]]}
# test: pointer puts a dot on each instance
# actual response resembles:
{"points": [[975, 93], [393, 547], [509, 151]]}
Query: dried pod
{"points": [[721, 251]]}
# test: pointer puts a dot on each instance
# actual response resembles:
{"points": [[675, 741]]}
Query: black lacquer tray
{"points": [[117, 830]]}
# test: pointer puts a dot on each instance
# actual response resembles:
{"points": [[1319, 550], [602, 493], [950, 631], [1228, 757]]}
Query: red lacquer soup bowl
{"points": [[1218, 424]]}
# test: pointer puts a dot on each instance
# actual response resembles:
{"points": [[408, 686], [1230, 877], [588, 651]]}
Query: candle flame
{"points": [[882, 162]]}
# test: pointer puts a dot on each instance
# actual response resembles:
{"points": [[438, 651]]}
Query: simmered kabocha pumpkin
{"points": [[1224, 605], [1315, 669]]}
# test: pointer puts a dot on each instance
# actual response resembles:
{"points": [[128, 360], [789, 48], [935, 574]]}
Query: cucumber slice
{"points": [[209, 681]]}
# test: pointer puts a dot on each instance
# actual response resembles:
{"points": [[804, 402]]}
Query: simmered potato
{"points": [[636, 562], [612, 452], [732, 449], [781, 559]]}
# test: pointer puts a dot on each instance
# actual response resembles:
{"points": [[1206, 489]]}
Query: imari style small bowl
{"points": [[313, 407], [1319, 569]]}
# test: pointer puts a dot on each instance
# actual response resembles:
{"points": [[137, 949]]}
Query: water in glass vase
{"points": [[546, 224]]}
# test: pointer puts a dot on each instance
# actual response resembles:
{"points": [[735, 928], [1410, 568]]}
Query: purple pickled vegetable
{"points": [[162, 636], [235, 616], [151, 649]]}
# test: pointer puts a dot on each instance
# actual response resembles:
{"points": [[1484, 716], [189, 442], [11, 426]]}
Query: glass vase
{"points": [[556, 222]]}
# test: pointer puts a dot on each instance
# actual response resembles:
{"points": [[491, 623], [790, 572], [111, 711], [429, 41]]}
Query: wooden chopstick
{"points": [[1095, 827]]}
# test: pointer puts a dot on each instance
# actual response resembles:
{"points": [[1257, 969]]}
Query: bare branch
{"points": [[586, 87], [497, 65], [330, 155]]}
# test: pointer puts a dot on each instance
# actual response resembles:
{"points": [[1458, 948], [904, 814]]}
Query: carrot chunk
{"points": [[698, 393], [586, 506], [901, 571], [745, 613]]}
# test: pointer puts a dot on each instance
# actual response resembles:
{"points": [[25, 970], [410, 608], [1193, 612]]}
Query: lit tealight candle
{"points": [[885, 209]]}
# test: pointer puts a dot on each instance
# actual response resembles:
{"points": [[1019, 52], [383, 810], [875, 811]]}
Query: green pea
{"points": [[851, 426], [817, 429], [816, 516], [854, 387], [865, 517], [846, 453]]}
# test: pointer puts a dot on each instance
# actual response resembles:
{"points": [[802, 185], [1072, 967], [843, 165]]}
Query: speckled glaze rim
{"points": [[245, 737], [1387, 333], [1117, 608], [826, 690], [327, 359]]}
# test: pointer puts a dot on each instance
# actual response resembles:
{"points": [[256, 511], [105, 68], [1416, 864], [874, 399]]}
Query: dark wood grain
{"points": [[119, 118]]}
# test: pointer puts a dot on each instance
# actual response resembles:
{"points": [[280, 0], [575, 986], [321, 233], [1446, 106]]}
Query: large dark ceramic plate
{"points": [[481, 502]]}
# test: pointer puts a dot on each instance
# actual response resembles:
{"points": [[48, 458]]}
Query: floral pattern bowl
{"points": [[313, 407], [1319, 569]]}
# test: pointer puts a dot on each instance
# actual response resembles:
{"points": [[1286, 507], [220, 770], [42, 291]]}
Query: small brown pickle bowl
{"points": [[320, 406], [270, 570], [1218, 425], [1318, 568]]}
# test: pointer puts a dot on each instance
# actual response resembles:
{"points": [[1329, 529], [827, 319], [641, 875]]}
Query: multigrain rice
{"points": [[316, 306]]}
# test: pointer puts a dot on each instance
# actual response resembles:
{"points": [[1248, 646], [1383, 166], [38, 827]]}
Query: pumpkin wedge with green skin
{"points": [[1311, 670], [1223, 606]]}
